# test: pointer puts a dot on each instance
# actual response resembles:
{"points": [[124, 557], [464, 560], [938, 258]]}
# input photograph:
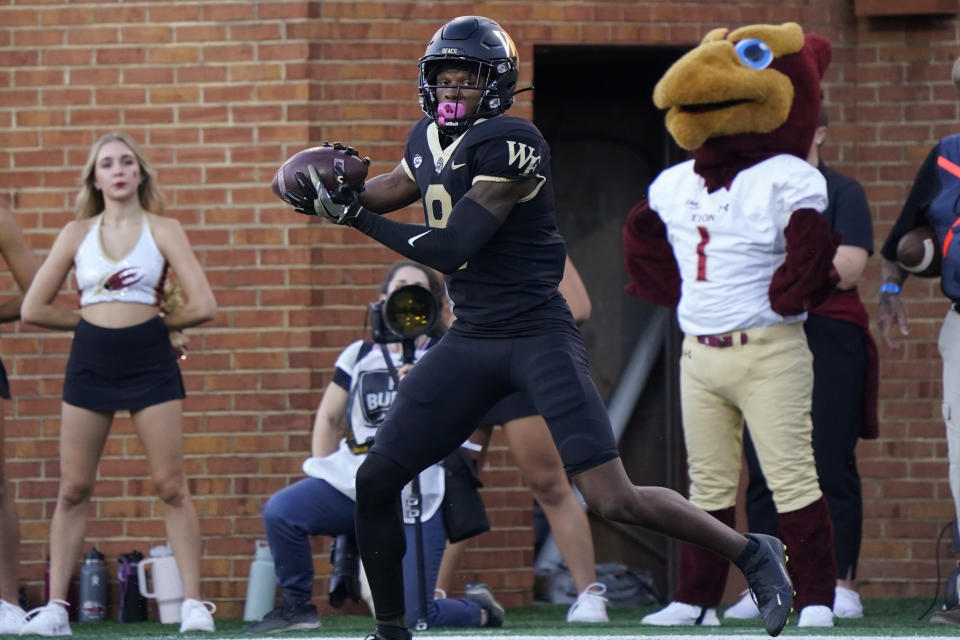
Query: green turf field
{"points": [[883, 618]]}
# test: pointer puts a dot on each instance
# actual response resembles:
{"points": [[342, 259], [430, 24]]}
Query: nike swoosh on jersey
{"points": [[417, 237], [456, 166]]}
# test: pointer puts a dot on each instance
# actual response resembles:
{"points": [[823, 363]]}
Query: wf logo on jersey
{"points": [[523, 156], [375, 391], [121, 279]]}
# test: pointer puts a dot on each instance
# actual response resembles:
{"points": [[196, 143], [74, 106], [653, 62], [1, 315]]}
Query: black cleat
{"points": [[766, 574], [401, 632]]}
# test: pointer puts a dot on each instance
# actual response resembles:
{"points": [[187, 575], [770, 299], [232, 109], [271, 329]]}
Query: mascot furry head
{"points": [[744, 95], [740, 97]]}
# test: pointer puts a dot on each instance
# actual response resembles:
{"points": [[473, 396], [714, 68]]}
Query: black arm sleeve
{"points": [[470, 226], [925, 188]]}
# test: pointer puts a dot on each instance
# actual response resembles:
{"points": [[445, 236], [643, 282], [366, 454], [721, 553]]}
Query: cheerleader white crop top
{"points": [[138, 277]]}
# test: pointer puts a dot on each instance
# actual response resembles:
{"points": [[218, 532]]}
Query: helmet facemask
{"points": [[493, 80]]}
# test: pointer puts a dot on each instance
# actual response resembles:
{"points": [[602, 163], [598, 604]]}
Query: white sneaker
{"points": [[195, 615], [846, 603], [816, 615], [743, 609], [680, 614], [590, 606], [12, 618], [48, 620]]}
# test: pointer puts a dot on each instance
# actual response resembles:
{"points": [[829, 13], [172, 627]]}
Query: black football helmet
{"points": [[481, 45]]}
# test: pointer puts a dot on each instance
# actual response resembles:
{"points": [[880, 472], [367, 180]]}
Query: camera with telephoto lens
{"points": [[408, 312], [345, 577]]}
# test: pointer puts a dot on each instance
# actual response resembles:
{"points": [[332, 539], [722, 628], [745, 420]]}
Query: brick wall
{"points": [[220, 92], [897, 99]]}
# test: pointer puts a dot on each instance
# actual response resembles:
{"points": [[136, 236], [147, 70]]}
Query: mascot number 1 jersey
{"points": [[509, 286], [729, 242]]}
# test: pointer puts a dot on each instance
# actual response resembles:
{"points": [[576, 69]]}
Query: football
{"points": [[918, 252], [324, 158]]}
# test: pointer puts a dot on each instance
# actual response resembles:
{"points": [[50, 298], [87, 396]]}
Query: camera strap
{"points": [[358, 447], [388, 359]]}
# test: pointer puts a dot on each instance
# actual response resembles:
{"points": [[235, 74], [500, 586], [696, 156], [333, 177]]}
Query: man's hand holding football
{"points": [[340, 206]]}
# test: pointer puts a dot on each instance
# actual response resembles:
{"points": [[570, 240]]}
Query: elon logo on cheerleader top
{"points": [[121, 279]]}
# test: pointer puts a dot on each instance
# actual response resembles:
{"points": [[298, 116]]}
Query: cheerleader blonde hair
{"points": [[172, 301], [90, 199]]}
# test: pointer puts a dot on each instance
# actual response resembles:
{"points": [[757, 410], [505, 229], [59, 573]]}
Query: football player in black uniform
{"points": [[484, 179]]}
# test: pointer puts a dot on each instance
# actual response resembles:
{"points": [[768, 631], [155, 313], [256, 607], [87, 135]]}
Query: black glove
{"points": [[341, 206]]}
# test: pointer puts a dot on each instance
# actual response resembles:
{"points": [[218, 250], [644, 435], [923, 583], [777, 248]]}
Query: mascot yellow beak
{"points": [[726, 85]]}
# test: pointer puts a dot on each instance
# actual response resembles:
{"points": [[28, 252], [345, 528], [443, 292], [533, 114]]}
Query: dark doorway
{"points": [[594, 106], [608, 141]]}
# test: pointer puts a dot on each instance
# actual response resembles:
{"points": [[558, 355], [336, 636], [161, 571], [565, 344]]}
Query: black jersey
{"points": [[847, 209], [509, 286]]}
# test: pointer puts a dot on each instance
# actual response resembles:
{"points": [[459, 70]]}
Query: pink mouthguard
{"points": [[451, 111]]}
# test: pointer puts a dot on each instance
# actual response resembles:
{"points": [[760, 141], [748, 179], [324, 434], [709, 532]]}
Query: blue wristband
{"points": [[890, 287]]}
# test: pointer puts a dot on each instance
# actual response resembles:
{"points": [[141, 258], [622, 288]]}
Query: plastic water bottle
{"points": [[93, 587], [164, 579], [262, 585], [132, 606]]}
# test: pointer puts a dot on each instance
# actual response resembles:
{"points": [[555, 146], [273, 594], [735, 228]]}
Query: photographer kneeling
{"points": [[353, 406]]}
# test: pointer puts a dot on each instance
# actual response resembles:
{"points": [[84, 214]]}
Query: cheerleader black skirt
{"points": [[128, 368]]}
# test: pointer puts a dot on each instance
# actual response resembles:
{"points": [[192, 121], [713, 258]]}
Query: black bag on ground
{"points": [[133, 606], [464, 515]]}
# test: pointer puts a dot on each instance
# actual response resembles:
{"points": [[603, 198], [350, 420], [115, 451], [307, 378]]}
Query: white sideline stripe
{"points": [[671, 635]]}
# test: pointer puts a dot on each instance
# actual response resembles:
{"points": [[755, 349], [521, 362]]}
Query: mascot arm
{"points": [[649, 259], [807, 275]]}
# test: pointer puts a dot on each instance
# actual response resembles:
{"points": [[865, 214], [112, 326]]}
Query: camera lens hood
{"points": [[410, 311]]}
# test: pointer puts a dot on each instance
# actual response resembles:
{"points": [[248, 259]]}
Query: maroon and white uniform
{"points": [[743, 362], [137, 277], [729, 243]]}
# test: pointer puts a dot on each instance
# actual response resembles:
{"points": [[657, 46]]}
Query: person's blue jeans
{"points": [[449, 612], [312, 507]]}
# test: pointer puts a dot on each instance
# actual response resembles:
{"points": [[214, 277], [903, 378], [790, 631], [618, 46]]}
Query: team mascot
{"points": [[735, 239]]}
